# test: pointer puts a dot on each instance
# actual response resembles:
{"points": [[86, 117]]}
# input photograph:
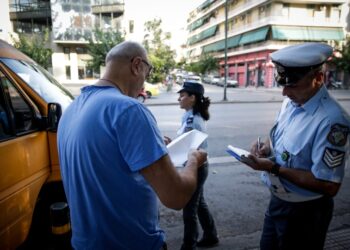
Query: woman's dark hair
{"points": [[201, 106]]}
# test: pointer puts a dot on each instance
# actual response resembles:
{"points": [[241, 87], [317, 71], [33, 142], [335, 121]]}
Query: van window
{"points": [[40, 81], [16, 116]]}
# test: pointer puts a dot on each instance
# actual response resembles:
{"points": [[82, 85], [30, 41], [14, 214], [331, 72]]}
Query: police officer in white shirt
{"points": [[304, 158]]}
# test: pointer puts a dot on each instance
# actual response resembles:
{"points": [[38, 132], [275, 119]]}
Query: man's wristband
{"points": [[275, 170]]}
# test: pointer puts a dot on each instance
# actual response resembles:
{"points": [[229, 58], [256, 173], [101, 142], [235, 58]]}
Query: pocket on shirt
{"points": [[299, 154]]}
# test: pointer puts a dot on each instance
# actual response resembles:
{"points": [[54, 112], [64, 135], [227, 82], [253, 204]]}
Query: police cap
{"points": [[192, 87], [294, 62]]}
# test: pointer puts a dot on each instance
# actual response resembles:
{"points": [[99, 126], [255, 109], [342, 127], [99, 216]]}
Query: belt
{"points": [[278, 190]]}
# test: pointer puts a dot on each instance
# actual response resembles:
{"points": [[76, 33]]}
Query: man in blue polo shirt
{"points": [[114, 162], [304, 158]]}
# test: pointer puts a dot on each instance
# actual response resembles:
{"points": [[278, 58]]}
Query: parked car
{"points": [[193, 78], [31, 103], [151, 89], [230, 82], [215, 80], [207, 79], [142, 96], [179, 79]]}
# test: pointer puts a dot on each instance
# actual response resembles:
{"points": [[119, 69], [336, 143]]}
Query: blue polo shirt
{"points": [[104, 140]]}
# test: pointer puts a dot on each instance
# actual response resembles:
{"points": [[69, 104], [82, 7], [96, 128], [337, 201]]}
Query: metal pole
{"points": [[226, 67]]}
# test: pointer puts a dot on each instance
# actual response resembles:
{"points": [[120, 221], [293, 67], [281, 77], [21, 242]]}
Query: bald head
{"points": [[125, 50]]}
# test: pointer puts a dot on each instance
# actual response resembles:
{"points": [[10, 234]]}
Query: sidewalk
{"points": [[235, 95], [216, 94]]}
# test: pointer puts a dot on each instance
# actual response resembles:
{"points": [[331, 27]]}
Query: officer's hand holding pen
{"points": [[260, 149]]}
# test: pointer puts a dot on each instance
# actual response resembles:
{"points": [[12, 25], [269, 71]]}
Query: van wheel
{"points": [[40, 236]]}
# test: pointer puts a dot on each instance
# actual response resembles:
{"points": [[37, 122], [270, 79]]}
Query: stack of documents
{"points": [[179, 147]]}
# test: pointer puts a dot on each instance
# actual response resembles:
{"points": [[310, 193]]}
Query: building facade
{"points": [[256, 28], [71, 24]]}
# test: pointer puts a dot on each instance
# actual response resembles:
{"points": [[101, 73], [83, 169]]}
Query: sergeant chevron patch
{"points": [[333, 158]]}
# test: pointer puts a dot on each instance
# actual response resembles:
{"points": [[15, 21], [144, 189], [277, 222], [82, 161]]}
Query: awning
{"points": [[201, 21], [217, 46], [254, 36], [235, 41], [307, 33], [206, 4], [203, 35], [198, 23]]}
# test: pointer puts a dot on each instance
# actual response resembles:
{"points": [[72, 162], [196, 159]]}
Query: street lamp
{"points": [[226, 67]]}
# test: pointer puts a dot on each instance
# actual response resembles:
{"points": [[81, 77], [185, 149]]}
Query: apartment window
{"points": [[89, 72], [131, 26], [231, 24], [81, 50], [81, 72], [68, 77], [66, 52], [285, 9]]}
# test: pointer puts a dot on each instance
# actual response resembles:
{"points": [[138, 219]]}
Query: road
{"points": [[234, 192]]}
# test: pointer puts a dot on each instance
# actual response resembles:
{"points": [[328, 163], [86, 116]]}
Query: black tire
{"points": [[141, 98], [40, 236]]}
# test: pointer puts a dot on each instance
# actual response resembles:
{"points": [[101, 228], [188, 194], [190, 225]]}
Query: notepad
{"points": [[178, 149], [237, 152]]}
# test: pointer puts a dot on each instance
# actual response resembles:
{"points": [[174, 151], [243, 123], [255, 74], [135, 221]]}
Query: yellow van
{"points": [[31, 102]]}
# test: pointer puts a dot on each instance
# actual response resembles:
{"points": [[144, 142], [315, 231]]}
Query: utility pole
{"points": [[226, 67]]}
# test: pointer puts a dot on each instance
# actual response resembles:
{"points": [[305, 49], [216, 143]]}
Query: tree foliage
{"points": [[342, 59], [205, 65], [99, 46], [159, 53], [36, 47]]}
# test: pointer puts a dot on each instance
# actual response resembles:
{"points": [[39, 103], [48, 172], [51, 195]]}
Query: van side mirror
{"points": [[53, 116]]}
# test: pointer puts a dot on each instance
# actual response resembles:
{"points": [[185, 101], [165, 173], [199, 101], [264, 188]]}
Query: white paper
{"points": [[179, 147], [237, 152]]}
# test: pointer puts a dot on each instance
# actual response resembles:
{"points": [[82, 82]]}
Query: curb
{"points": [[229, 102]]}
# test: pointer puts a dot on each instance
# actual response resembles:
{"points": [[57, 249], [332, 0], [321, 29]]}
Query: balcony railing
{"points": [[108, 6], [30, 10]]}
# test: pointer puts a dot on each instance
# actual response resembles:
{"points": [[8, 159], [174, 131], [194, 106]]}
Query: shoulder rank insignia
{"points": [[338, 135], [333, 158], [189, 120]]}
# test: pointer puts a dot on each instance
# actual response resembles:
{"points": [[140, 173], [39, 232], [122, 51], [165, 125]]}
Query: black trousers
{"points": [[197, 206], [301, 225]]}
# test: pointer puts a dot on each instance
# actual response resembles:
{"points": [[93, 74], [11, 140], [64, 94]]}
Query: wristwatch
{"points": [[275, 170]]}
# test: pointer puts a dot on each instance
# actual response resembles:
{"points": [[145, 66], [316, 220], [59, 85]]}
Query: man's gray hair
{"points": [[125, 50]]}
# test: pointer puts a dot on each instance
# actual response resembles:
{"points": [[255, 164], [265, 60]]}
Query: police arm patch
{"points": [[333, 158], [338, 135]]}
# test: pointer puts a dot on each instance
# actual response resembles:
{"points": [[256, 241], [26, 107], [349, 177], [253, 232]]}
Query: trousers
{"points": [[296, 225], [197, 207]]}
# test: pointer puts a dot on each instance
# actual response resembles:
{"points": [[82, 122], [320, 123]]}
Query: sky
{"points": [[173, 13]]}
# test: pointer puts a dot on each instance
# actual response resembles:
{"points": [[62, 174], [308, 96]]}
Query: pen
{"points": [[258, 143]]}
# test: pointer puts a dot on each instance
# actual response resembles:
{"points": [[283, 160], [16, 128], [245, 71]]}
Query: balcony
{"points": [[30, 11], [108, 7]]}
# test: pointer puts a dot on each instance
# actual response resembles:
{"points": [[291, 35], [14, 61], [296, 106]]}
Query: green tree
{"points": [[36, 47], [206, 64], [342, 59], [99, 46], [160, 54]]}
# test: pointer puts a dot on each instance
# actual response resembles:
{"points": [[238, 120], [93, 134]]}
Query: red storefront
{"points": [[251, 69]]}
